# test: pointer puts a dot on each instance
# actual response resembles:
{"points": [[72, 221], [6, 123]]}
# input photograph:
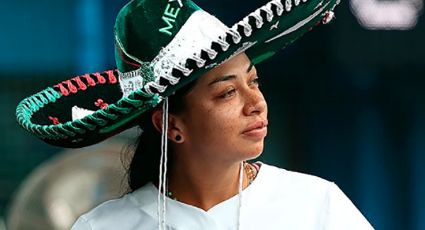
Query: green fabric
{"points": [[143, 27], [259, 58]]}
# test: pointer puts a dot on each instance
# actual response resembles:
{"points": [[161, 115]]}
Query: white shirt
{"points": [[276, 199]]}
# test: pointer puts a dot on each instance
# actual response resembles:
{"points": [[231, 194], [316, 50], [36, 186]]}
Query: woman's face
{"points": [[226, 114]]}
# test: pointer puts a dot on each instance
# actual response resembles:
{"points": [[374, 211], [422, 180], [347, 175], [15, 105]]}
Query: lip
{"points": [[256, 130]]}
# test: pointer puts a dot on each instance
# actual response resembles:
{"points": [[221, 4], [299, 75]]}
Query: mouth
{"points": [[257, 130]]}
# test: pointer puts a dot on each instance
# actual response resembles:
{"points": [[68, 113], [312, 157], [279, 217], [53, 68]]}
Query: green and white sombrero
{"points": [[161, 45]]}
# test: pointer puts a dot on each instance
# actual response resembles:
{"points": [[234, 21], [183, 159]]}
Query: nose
{"points": [[255, 104]]}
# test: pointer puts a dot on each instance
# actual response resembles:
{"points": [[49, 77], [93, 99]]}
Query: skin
{"points": [[225, 123]]}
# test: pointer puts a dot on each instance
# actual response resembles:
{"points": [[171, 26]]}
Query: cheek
{"points": [[216, 125]]}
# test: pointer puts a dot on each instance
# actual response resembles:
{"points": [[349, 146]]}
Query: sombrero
{"points": [[161, 45]]}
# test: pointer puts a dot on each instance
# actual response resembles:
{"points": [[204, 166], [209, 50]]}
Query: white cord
{"points": [[165, 144], [159, 190], [162, 183], [240, 195]]}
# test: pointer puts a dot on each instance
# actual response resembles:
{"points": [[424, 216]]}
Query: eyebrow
{"points": [[230, 77]]}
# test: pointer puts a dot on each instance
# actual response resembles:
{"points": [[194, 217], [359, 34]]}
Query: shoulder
{"points": [[291, 192], [299, 187], [311, 197], [279, 178], [120, 213]]}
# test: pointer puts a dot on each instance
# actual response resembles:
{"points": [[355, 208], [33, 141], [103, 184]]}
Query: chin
{"points": [[254, 152], [253, 156]]}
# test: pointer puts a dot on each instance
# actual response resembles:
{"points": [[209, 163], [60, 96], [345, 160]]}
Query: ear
{"points": [[175, 125], [157, 120], [175, 129]]}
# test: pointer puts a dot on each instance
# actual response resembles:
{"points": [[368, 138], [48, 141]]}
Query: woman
{"points": [[222, 121], [211, 120]]}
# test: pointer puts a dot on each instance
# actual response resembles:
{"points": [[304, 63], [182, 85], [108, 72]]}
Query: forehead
{"points": [[235, 66]]}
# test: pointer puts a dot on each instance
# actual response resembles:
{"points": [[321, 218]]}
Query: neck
{"points": [[192, 184]]}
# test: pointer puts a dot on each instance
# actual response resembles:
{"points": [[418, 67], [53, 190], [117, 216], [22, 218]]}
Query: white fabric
{"points": [[196, 34], [277, 199], [79, 113]]}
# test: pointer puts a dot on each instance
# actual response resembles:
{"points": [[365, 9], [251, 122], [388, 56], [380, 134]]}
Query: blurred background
{"points": [[347, 103]]}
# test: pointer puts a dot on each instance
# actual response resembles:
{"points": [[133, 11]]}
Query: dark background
{"points": [[346, 101]]}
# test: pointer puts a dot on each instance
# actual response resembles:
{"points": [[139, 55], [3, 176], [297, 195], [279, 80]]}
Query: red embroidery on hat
{"points": [[74, 84], [99, 103], [62, 89], [90, 80], [80, 84], [54, 120], [329, 15], [111, 76], [100, 78], [71, 86]]}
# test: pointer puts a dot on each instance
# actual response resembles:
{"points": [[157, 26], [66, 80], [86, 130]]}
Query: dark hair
{"points": [[144, 166]]}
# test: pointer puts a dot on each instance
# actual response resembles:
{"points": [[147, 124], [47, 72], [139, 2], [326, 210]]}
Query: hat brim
{"points": [[260, 35]]}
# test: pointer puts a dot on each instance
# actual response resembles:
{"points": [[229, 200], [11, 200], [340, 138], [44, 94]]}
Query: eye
{"points": [[255, 82], [228, 93]]}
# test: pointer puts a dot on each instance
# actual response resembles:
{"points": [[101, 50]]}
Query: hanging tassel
{"points": [[162, 183], [240, 194]]}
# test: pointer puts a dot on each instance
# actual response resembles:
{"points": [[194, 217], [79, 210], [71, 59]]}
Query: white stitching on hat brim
{"points": [[197, 34], [298, 25]]}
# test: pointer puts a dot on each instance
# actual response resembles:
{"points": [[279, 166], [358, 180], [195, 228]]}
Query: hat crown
{"points": [[144, 27]]}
